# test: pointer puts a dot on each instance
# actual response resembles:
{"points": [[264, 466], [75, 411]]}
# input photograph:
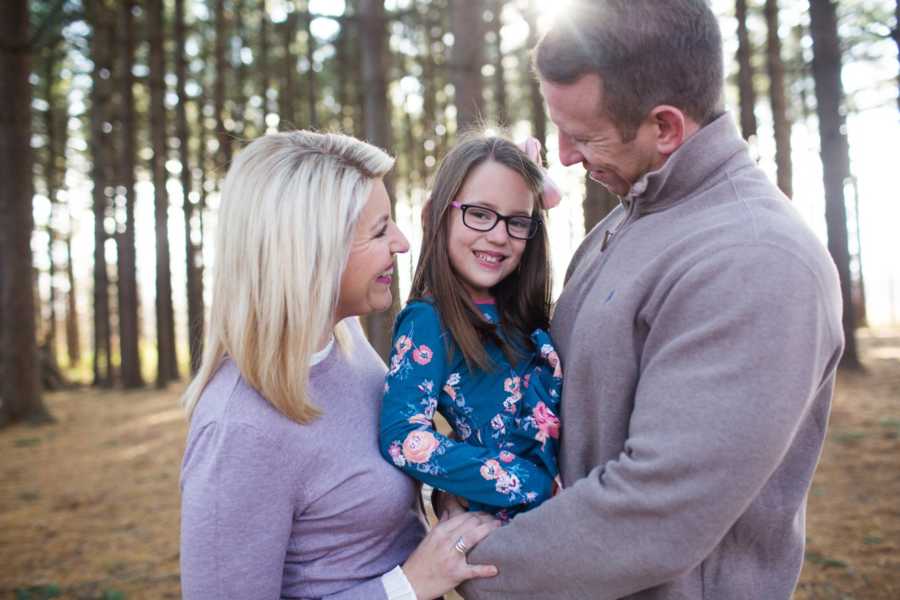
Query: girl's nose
{"points": [[498, 235]]}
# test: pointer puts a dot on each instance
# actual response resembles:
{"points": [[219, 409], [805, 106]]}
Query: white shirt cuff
{"points": [[397, 586]]}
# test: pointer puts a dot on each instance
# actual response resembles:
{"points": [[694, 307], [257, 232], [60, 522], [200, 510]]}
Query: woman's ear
{"points": [[670, 128]]}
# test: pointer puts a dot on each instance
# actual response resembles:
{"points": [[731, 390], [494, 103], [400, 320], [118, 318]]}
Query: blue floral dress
{"points": [[504, 458]]}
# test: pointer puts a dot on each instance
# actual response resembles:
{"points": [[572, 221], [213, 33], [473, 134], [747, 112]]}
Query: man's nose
{"points": [[568, 154]]}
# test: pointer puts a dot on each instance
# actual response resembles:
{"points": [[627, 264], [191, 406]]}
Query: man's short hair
{"points": [[646, 52]]}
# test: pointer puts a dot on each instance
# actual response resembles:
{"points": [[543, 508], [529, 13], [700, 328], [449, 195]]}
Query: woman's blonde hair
{"points": [[289, 206]]}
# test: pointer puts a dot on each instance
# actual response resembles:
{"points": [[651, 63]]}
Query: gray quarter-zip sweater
{"points": [[699, 346]]}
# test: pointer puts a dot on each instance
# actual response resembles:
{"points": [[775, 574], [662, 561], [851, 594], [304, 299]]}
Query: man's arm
{"points": [[736, 351]]}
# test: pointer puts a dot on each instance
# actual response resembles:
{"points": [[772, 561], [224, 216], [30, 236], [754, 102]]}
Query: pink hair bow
{"points": [[531, 146]]}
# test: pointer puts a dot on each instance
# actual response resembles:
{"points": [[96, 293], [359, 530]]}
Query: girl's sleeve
{"points": [[419, 370]]}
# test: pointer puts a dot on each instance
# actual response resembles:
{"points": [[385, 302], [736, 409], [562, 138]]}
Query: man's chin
{"points": [[606, 185]]}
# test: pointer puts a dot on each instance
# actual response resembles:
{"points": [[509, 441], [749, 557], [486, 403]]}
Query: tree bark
{"points": [[598, 202], [780, 120], [536, 100], [373, 58], [101, 20], [835, 155], [264, 76], [20, 392], [746, 89], [468, 31], [129, 301], [193, 257], [896, 34], [51, 182], [500, 99], [73, 336], [286, 91], [167, 363], [312, 113], [223, 154]]}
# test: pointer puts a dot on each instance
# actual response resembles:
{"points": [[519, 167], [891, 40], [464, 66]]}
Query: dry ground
{"points": [[89, 505]]}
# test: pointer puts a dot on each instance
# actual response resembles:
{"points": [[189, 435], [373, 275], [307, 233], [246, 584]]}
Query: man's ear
{"points": [[671, 128]]}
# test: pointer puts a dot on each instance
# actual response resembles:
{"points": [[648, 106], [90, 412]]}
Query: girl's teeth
{"points": [[489, 259]]}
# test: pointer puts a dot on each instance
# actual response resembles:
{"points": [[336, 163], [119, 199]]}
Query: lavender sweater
{"points": [[699, 348], [273, 509]]}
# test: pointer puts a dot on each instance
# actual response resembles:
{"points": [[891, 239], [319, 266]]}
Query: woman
{"points": [[284, 493]]}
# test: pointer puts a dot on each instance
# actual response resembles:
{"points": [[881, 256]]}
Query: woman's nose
{"points": [[399, 245]]}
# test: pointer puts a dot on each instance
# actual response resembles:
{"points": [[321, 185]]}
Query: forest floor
{"points": [[89, 505]]}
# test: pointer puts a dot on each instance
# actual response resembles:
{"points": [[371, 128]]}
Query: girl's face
{"points": [[482, 259]]}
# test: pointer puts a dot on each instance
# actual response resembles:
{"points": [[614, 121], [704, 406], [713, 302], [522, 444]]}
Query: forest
{"points": [[120, 118]]}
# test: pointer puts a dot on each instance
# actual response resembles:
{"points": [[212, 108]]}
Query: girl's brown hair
{"points": [[523, 297]]}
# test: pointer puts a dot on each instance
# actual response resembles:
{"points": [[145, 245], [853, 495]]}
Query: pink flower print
{"points": [[526, 380], [403, 345], [511, 385], [419, 419], [491, 470], [508, 483], [498, 424], [552, 357], [450, 391], [422, 354], [396, 362], [546, 422], [430, 407], [509, 405], [419, 446], [426, 386], [531, 496], [396, 454], [507, 456]]}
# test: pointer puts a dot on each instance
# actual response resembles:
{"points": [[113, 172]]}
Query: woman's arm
{"points": [[236, 515]]}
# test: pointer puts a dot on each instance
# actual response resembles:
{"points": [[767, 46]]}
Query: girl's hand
{"points": [[439, 564]]}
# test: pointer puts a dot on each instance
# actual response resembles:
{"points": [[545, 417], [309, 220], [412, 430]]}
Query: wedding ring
{"points": [[460, 546]]}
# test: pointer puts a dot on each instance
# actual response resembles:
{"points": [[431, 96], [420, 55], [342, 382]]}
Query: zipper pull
{"points": [[606, 237]]}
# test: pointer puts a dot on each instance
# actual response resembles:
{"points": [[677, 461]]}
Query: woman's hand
{"points": [[439, 563]]}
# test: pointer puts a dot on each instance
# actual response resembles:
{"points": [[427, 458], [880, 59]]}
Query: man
{"points": [[699, 328]]}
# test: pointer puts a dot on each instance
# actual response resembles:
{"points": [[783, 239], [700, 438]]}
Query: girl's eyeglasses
{"points": [[481, 218]]}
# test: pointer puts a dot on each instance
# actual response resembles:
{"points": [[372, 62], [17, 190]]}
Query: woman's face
{"points": [[366, 282]]}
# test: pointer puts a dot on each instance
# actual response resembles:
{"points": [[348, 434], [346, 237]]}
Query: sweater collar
{"points": [[695, 166]]}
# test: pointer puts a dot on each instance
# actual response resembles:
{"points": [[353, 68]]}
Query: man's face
{"points": [[587, 135]]}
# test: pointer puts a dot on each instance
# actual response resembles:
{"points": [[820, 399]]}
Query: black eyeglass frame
{"points": [[535, 222]]}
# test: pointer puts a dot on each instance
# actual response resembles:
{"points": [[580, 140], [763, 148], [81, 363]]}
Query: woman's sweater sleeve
{"points": [[419, 371]]}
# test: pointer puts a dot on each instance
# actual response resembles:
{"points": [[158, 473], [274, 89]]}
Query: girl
{"points": [[471, 343]]}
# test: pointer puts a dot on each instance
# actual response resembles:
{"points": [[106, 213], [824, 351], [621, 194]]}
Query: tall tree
{"points": [[102, 23], [287, 88], [223, 154], [54, 175], [780, 120], [192, 250], [535, 99], [126, 264], [20, 393], [746, 90], [373, 61], [264, 75], [835, 155], [73, 336], [468, 33], [500, 99], [167, 363], [312, 114]]}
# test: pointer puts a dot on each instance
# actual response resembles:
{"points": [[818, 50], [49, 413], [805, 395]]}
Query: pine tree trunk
{"points": [[373, 48], [468, 31], [193, 258], [223, 154], [167, 365], [500, 100], [264, 76], [287, 89], [780, 119], [746, 89], [73, 336], [835, 155], [20, 392], [100, 142], [598, 202], [312, 113], [536, 100], [129, 302], [51, 181], [896, 34]]}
